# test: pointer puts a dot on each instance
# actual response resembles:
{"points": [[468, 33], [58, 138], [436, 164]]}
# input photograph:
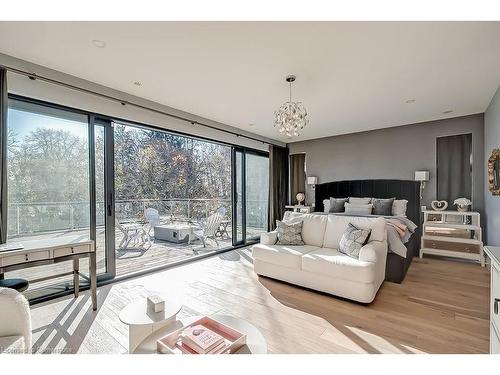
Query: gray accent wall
{"points": [[394, 153], [491, 141]]}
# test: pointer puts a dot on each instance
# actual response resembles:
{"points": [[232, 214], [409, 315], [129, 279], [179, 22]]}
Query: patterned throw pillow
{"points": [[289, 233], [353, 240]]}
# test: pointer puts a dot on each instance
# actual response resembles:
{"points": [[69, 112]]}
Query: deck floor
{"points": [[130, 260]]}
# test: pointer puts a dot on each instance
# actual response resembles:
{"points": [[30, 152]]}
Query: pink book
{"points": [[201, 339]]}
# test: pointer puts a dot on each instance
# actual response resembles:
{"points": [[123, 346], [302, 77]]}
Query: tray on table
{"points": [[171, 343]]}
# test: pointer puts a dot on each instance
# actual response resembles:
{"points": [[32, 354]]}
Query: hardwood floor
{"points": [[441, 307]]}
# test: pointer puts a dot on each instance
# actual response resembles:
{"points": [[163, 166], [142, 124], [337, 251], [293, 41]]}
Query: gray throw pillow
{"points": [[337, 204], [358, 209], [289, 233], [353, 240], [355, 200], [382, 206]]}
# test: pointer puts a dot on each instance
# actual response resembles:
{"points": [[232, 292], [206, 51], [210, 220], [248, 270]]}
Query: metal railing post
{"points": [[18, 220], [71, 217]]}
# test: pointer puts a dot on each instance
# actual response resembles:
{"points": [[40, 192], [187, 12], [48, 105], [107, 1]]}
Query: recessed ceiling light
{"points": [[447, 111], [137, 83], [99, 43], [409, 101]]}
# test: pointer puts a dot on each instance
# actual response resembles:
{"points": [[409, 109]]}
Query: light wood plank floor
{"points": [[441, 307]]}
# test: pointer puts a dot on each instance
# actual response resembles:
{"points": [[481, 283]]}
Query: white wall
{"points": [[491, 141], [38, 89]]}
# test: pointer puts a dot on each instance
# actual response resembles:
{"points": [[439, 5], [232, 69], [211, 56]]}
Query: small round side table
{"points": [[142, 322]]}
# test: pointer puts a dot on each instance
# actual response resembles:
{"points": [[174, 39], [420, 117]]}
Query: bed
{"points": [[397, 266]]}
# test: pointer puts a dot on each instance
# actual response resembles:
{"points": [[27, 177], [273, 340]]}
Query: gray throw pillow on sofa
{"points": [[289, 233], [382, 206], [353, 240], [337, 204]]}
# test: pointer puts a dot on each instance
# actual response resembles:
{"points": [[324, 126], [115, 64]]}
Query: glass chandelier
{"points": [[291, 116]]}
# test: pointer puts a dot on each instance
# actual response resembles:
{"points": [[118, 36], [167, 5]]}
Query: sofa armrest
{"points": [[373, 251], [269, 238]]}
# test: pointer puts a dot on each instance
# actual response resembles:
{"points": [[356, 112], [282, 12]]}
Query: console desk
{"points": [[54, 250]]}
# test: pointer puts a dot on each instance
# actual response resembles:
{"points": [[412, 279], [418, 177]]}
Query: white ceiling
{"points": [[351, 76]]}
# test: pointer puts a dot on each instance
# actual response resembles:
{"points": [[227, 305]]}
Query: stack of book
{"points": [[198, 339]]}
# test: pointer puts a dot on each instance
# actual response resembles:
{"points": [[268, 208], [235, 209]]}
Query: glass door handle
{"points": [[110, 205]]}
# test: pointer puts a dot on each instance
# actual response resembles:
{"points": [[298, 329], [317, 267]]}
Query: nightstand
{"points": [[453, 234], [299, 208]]}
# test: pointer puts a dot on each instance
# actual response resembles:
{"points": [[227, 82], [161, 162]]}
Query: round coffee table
{"points": [[142, 322], [256, 343]]}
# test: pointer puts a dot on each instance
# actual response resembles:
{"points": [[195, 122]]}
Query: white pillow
{"points": [[399, 207], [326, 206], [358, 209], [353, 200]]}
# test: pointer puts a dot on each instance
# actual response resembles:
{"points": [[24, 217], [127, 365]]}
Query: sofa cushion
{"points": [[336, 225], [332, 263], [289, 233], [353, 240], [282, 255], [313, 229]]}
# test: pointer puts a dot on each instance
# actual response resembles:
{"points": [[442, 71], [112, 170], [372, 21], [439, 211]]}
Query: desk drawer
{"points": [[63, 251], [25, 257]]}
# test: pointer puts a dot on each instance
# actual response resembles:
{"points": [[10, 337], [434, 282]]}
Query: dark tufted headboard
{"points": [[400, 189], [396, 266]]}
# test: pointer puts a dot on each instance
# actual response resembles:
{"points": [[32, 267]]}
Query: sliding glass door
{"points": [[49, 180], [167, 188], [257, 195], [148, 197], [251, 195]]}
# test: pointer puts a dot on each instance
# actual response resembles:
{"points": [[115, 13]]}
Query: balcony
{"points": [[57, 219]]}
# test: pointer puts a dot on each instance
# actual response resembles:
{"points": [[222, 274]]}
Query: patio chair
{"points": [[152, 216], [135, 234], [208, 229]]}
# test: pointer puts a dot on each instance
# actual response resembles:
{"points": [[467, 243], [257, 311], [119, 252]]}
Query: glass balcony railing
{"points": [[43, 217]]}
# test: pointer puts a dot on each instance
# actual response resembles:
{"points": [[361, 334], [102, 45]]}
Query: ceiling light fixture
{"points": [[291, 116], [99, 43], [410, 101], [447, 111], [137, 83]]}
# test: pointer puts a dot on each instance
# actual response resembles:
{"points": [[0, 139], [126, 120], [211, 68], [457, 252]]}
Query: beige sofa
{"points": [[319, 265]]}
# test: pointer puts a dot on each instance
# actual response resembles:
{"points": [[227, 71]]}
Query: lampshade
{"points": [[421, 175], [312, 180]]}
